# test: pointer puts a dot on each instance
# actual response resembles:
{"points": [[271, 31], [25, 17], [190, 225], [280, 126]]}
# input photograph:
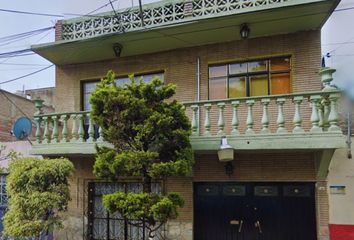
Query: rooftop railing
{"points": [[160, 14]]}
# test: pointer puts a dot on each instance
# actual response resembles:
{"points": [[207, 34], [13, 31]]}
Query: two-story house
{"points": [[249, 70]]}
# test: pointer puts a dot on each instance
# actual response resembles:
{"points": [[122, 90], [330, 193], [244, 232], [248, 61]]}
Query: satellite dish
{"points": [[22, 128]]}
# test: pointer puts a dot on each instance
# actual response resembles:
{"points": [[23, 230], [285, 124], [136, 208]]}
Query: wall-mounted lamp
{"points": [[117, 49], [225, 152], [244, 31]]}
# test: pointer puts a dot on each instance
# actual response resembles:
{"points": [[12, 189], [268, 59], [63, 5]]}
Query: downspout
{"points": [[198, 79], [198, 90], [349, 133]]}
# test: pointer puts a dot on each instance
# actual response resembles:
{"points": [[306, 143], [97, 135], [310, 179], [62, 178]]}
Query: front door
{"points": [[254, 211]]}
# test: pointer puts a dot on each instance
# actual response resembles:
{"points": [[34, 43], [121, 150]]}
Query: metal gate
{"points": [[254, 211], [105, 226]]}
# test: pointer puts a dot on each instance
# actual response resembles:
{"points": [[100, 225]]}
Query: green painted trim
{"points": [[65, 149], [306, 141], [259, 142], [323, 160], [243, 99]]}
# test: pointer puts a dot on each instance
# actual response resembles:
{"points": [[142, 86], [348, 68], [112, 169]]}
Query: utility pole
{"points": [[141, 13]]}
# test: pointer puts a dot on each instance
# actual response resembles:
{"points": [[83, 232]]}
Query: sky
{"points": [[337, 38]]}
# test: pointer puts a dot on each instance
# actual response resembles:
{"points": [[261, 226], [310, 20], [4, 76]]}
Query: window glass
{"points": [[217, 88], [88, 88], [280, 64], [280, 83], [121, 81], [254, 78], [257, 66], [238, 68], [259, 85], [237, 87], [218, 71]]}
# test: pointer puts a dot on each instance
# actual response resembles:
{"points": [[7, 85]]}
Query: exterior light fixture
{"points": [[117, 49], [244, 31], [225, 152]]}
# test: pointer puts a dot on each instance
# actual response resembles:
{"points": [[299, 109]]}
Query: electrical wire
{"points": [[343, 9], [26, 75], [31, 13], [24, 64]]}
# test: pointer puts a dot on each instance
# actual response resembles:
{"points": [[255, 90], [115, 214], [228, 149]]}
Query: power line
{"points": [[26, 75], [20, 36], [338, 43], [31, 13], [344, 9], [24, 64]]}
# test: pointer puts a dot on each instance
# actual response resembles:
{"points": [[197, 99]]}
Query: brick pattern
{"points": [[9, 113], [248, 167], [58, 30], [180, 66]]}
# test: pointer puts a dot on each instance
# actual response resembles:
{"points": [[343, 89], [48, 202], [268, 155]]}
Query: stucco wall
{"points": [[341, 211]]}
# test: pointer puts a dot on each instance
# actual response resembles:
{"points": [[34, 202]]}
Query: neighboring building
{"points": [[46, 94], [263, 92], [13, 106], [22, 149]]}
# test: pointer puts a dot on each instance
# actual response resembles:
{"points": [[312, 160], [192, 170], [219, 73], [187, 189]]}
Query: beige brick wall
{"points": [[11, 108], [180, 66], [250, 167]]}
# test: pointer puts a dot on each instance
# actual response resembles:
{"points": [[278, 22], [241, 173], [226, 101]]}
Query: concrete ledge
{"points": [[307, 141], [65, 149]]}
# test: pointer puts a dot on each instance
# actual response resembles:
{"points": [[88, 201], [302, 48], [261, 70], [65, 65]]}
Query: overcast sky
{"points": [[337, 37]]}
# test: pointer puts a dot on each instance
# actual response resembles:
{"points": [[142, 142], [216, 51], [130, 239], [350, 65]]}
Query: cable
{"points": [[16, 55], [29, 74], [15, 105], [24, 34], [343, 9], [117, 16], [24, 64], [30, 13], [338, 43], [12, 102]]}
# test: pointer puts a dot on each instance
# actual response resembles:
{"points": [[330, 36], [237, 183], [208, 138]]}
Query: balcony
{"points": [[167, 25], [296, 122]]}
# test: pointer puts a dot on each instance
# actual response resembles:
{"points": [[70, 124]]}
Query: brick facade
{"points": [[12, 107], [180, 67]]}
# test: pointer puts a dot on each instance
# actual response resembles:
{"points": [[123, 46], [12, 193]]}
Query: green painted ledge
{"points": [[268, 142]]}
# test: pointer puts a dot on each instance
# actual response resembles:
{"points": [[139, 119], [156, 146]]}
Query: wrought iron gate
{"points": [[105, 226]]}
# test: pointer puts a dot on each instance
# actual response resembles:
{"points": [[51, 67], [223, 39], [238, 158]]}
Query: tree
{"points": [[150, 134], [38, 191]]}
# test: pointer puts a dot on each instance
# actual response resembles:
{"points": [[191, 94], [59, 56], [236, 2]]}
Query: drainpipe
{"points": [[198, 90], [349, 122], [198, 79]]}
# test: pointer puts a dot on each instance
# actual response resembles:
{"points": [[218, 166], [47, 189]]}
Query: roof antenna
{"points": [[141, 14]]}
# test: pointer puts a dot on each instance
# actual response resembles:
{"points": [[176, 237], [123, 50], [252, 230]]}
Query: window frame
{"points": [[249, 74], [96, 80]]}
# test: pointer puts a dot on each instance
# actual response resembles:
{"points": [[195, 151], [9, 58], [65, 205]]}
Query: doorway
{"points": [[254, 211]]}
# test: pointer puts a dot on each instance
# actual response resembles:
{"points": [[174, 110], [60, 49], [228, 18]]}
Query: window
{"points": [[3, 194], [89, 87], [253, 78], [105, 226]]}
